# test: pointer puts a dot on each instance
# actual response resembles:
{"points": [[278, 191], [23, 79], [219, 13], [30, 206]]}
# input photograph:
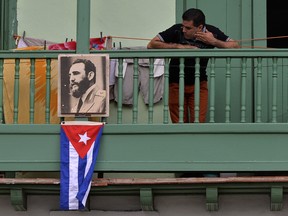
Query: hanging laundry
{"points": [[24, 90], [59, 46], [143, 79], [95, 44], [22, 42]]}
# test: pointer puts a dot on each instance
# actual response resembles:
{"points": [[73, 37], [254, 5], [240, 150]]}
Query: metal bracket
{"points": [[18, 199], [276, 198], [146, 199], [212, 198]]}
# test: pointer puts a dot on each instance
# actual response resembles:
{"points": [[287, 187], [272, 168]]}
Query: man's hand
{"points": [[206, 37]]}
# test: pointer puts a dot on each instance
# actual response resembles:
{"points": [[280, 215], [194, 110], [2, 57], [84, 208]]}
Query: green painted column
{"points": [[83, 26], [180, 7], [8, 23]]}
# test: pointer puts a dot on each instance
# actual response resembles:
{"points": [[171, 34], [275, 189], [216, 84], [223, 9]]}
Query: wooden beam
{"points": [[100, 182]]}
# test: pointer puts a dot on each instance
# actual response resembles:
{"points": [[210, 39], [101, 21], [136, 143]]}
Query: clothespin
{"points": [[120, 46], [23, 35], [101, 36], [45, 44], [113, 44], [66, 40], [16, 38]]}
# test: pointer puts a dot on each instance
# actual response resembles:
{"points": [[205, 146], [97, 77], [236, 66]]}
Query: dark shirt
{"points": [[175, 35]]}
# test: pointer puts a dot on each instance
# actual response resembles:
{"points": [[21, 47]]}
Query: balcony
{"points": [[245, 130], [247, 112]]}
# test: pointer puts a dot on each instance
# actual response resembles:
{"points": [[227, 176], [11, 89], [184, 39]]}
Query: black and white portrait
{"points": [[83, 85]]}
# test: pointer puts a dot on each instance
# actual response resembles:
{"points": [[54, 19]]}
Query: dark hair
{"points": [[195, 15], [89, 66]]}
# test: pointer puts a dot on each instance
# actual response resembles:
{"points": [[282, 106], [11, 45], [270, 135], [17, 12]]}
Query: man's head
{"points": [[193, 20], [82, 75]]}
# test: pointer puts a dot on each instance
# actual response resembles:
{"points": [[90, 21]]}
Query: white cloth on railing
{"points": [[158, 67], [143, 80], [157, 71]]}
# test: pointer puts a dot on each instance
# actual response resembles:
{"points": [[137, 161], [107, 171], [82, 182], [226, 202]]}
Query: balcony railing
{"points": [[245, 86], [245, 129]]}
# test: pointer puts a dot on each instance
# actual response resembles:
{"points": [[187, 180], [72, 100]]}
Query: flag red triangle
{"points": [[81, 136]]}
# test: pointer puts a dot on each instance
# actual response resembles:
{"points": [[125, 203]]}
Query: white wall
{"points": [[55, 20]]}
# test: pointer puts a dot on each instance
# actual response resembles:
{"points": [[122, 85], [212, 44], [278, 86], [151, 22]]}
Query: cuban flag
{"points": [[79, 148]]}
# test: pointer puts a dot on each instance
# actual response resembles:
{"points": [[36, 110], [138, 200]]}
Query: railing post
{"points": [[16, 90], [48, 91], [259, 91], [1, 92], [32, 90], [120, 91], [151, 91], [181, 91], [197, 91], [212, 92], [243, 90], [166, 92], [274, 90], [135, 91], [228, 91]]}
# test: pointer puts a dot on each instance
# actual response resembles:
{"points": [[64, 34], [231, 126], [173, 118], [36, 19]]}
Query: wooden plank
{"points": [[151, 181]]}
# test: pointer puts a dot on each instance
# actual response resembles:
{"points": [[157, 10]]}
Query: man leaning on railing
{"points": [[193, 33]]}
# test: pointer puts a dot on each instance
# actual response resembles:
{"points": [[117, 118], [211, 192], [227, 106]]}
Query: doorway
{"points": [[277, 16]]}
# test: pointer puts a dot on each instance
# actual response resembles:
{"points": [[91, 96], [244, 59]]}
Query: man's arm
{"points": [[156, 43], [227, 44], [208, 38]]}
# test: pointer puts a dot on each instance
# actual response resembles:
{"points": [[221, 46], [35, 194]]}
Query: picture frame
{"points": [[83, 89]]}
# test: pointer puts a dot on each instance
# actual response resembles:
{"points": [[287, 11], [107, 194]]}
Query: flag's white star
{"points": [[84, 138]]}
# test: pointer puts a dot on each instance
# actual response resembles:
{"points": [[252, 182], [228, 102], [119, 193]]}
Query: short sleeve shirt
{"points": [[174, 34]]}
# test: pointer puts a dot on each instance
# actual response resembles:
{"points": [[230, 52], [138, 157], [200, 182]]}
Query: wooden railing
{"points": [[246, 127], [244, 86]]}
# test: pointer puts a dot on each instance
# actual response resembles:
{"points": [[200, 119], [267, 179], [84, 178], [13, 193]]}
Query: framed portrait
{"points": [[83, 85]]}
